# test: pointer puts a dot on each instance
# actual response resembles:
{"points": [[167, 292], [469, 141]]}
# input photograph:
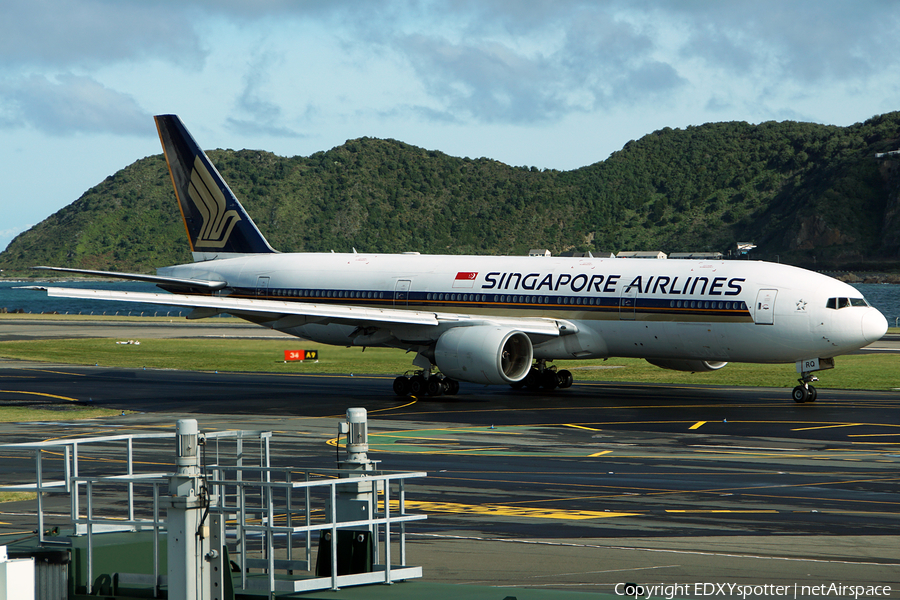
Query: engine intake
{"points": [[484, 354], [694, 366]]}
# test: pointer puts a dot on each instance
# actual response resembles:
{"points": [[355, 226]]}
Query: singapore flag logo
{"points": [[465, 279]]}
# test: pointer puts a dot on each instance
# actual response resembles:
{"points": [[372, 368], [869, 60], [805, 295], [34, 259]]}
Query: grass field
{"points": [[872, 371], [18, 414], [17, 496]]}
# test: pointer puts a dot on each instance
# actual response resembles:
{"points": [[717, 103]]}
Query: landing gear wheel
{"points": [[416, 385], [451, 386], [549, 380], [401, 386], [434, 386], [533, 380], [565, 379], [805, 392]]}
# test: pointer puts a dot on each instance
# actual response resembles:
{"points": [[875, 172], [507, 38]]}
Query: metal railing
{"points": [[287, 503], [266, 516]]}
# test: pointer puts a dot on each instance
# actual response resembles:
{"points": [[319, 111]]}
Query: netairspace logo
{"points": [[669, 591]]}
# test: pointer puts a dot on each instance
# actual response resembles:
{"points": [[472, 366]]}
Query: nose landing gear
{"points": [[805, 392]]}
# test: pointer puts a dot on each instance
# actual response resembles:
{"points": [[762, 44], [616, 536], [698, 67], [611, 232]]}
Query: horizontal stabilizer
{"points": [[168, 281]]}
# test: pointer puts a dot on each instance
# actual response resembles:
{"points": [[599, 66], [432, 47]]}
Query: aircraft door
{"points": [[764, 313], [626, 304], [262, 287], [401, 292]]}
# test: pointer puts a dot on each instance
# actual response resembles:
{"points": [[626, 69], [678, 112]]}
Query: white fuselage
{"points": [[736, 310]]}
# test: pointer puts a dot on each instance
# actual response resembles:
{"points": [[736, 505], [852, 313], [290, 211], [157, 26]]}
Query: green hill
{"points": [[804, 193]]}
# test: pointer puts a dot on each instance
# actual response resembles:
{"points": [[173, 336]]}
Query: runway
{"points": [[578, 489]]}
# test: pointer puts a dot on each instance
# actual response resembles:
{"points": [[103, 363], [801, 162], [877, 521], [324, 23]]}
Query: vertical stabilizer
{"points": [[216, 223]]}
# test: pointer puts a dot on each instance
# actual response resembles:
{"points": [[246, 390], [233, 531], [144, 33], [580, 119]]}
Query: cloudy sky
{"points": [[554, 84]]}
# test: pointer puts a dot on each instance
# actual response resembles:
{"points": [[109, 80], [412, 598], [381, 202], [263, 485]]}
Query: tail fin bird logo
{"points": [[210, 201]]}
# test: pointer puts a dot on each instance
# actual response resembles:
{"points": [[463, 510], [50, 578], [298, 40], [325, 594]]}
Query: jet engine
{"points": [[484, 354], [694, 366]]}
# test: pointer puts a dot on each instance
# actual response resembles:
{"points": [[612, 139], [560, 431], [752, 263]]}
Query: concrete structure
{"points": [[16, 577], [697, 255], [639, 254]]}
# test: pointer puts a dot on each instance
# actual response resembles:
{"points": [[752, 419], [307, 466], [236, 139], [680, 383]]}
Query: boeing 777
{"points": [[497, 319]]}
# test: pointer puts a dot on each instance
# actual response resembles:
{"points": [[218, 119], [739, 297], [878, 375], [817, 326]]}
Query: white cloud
{"points": [[596, 62], [805, 41], [262, 115], [8, 235], [66, 34], [550, 83], [478, 61], [71, 104]]}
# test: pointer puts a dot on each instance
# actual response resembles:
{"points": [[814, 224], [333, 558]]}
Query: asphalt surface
{"points": [[579, 489]]}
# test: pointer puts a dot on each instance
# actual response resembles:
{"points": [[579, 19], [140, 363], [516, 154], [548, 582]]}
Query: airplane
{"points": [[496, 320]]}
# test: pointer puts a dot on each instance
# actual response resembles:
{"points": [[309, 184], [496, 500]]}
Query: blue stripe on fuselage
{"points": [[731, 310]]}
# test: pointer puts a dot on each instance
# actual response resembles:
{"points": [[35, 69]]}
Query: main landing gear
{"points": [[805, 392], [419, 384], [543, 377]]}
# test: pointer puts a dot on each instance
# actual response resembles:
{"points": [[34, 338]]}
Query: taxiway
{"points": [[575, 490]]}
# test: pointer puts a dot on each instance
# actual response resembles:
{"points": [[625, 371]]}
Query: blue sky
{"points": [[554, 84]]}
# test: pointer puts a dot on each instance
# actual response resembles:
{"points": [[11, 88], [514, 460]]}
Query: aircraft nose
{"points": [[874, 326]]}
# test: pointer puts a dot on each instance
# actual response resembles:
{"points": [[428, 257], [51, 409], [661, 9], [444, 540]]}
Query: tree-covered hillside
{"points": [[804, 192]]}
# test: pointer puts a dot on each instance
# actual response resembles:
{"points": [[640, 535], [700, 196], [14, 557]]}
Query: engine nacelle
{"points": [[694, 366], [484, 354]]}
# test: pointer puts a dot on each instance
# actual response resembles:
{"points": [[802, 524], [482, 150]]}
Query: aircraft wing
{"points": [[171, 281], [272, 310]]}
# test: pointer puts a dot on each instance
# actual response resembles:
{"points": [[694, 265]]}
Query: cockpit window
{"points": [[837, 303]]}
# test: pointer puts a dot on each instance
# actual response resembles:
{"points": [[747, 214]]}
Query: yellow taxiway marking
{"points": [[742, 512], [58, 372], [66, 398], [377, 410], [599, 453], [582, 427], [697, 425], [512, 511], [390, 408], [877, 443], [828, 426], [410, 438]]}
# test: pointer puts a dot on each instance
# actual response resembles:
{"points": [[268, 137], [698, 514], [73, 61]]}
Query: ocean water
{"points": [[36, 302], [884, 297]]}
